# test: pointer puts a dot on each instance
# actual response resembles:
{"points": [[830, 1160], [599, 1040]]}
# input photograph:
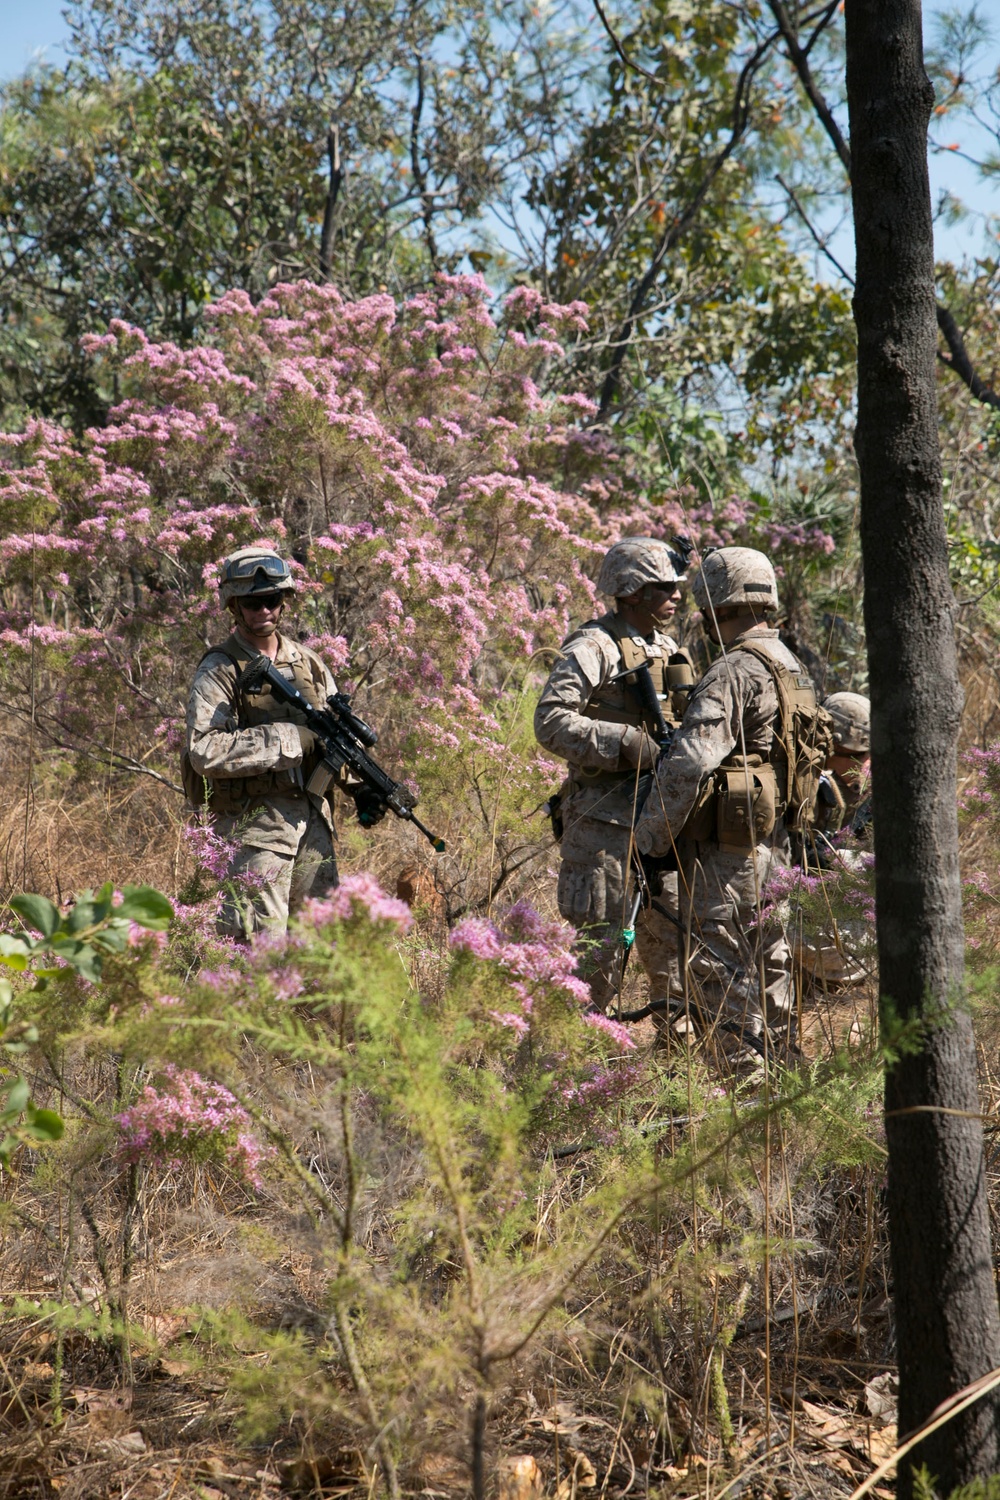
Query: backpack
{"points": [[803, 740]]}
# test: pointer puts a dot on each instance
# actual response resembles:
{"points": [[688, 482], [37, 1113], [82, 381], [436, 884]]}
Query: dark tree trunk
{"points": [[945, 1294]]}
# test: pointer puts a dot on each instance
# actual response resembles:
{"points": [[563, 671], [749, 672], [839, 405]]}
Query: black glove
{"points": [[370, 806], [655, 865]]}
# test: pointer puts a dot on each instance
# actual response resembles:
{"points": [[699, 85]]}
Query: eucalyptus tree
{"points": [[947, 1324]]}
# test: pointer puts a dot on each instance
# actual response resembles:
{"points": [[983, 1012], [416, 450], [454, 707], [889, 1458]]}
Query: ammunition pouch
{"points": [[233, 796], [736, 807], [679, 681], [746, 805]]}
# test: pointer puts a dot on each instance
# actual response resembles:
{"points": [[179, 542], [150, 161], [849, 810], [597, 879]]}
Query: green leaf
{"points": [[85, 959], [37, 912], [13, 951], [45, 1125], [17, 1097], [8, 1146], [146, 907], [86, 914], [113, 937]]}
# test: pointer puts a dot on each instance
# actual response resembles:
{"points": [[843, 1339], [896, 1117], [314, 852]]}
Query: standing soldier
{"points": [[742, 772], [592, 714], [248, 762]]}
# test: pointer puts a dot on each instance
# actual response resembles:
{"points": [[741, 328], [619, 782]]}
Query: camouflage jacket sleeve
{"points": [[587, 662], [732, 708], [216, 745]]}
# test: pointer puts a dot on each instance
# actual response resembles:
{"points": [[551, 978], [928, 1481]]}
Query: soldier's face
{"points": [[653, 605], [258, 615]]}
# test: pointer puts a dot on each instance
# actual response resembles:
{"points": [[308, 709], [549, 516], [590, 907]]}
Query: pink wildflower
{"points": [[190, 1116]]}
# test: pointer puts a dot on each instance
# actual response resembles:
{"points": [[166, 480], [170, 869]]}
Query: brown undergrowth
{"points": [[173, 1333]]}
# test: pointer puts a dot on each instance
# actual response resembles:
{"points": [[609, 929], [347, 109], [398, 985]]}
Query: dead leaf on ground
{"points": [[165, 1327], [342, 1468], [520, 1478], [882, 1442], [827, 1425], [584, 1474], [560, 1419], [128, 1445], [88, 1398], [881, 1397]]}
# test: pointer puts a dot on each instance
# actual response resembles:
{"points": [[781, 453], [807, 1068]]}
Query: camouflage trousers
{"points": [[736, 949], [593, 893], [266, 886]]}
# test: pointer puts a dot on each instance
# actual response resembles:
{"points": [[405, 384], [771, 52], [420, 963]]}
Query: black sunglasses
{"points": [[263, 601]]}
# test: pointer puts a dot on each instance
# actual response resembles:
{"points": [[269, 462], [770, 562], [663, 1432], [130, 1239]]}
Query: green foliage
{"points": [[93, 927], [455, 1242], [22, 1123], [80, 939], [986, 1487]]}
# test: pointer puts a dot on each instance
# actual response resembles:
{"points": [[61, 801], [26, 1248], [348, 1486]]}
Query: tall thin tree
{"points": [[945, 1295]]}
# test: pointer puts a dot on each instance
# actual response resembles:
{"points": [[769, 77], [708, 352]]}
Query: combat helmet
{"points": [[635, 561], [852, 720], [735, 576], [254, 570]]}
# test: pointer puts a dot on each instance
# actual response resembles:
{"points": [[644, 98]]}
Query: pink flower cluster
{"points": [[980, 798], [358, 895], [189, 1116], [533, 955]]}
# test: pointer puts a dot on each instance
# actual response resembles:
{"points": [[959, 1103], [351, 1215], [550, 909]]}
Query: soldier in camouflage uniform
{"points": [[840, 954], [596, 722], [725, 794], [248, 762], [852, 719]]}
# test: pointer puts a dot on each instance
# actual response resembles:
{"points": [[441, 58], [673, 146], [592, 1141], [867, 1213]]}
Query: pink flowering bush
{"points": [[444, 517], [189, 1117]]}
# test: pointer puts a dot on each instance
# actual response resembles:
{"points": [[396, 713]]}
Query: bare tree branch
{"points": [[332, 194], [629, 63], [674, 231], [820, 241], [960, 362], [419, 174], [798, 56], [958, 357]]}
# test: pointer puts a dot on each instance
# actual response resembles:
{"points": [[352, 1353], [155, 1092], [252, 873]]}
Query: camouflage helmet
{"points": [[735, 575], [636, 561], [254, 570], [852, 720]]}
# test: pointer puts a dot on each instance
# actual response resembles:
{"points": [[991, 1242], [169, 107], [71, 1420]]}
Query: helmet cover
{"points": [[254, 570], [735, 576], [636, 561], [852, 721]]}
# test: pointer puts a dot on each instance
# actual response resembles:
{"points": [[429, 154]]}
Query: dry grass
{"points": [[626, 1398]]}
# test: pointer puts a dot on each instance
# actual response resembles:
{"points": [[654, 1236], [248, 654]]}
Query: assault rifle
{"points": [[640, 679], [346, 740]]}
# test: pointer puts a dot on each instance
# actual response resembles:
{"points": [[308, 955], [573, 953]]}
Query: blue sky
{"points": [[29, 28]]}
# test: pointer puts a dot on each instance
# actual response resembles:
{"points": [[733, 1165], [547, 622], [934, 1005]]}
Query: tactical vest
{"points": [[742, 802], [233, 795], [673, 679]]}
